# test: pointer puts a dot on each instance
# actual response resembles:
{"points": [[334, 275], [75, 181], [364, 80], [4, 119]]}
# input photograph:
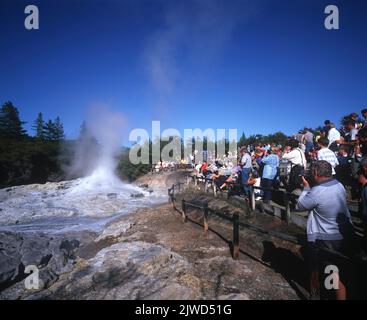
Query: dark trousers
{"points": [[245, 176], [267, 183]]}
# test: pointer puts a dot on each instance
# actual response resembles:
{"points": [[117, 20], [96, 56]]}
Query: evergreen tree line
{"points": [[29, 159], [277, 138], [50, 130], [41, 158], [12, 127]]}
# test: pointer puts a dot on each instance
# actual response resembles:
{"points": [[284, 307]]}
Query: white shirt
{"points": [[353, 134], [257, 184], [297, 157], [329, 156], [246, 161], [333, 135]]}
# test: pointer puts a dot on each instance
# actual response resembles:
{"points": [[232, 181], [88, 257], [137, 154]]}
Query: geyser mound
{"points": [[101, 180], [87, 197], [99, 194]]}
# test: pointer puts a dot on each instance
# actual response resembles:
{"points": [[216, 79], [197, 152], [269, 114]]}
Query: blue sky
{"points": [[255, 65]]}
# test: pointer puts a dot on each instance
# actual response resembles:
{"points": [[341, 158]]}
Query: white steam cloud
{"points": [[97, 148], [191, 39]]}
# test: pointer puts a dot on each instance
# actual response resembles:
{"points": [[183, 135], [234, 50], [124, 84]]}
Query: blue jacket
{"points": [[271, 163]]}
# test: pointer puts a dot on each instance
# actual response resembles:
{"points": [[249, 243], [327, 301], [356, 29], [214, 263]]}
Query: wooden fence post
{"points": [[252, 199], [184, 210], [173, 196], [206, 214], [287, 209], [236, 237]]}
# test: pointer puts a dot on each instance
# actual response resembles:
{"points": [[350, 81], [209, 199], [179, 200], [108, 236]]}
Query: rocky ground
{"points": [[150, 254]]}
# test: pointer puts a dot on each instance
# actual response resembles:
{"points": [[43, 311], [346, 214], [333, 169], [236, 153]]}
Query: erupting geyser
{"points": [[106, 128], [99, 194]]}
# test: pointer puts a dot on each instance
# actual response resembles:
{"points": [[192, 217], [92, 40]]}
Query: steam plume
{"points": [[97, 148]]}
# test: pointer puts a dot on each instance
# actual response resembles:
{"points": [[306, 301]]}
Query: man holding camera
{"points": [[329, 226]]}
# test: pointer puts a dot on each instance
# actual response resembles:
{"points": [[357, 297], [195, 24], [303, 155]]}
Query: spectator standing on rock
{"points": [[308, 138], [298, 160], [343, 169], [326, 128], [333, 137], [271, 164], [246, 163], [329, 225], [357, 122], [326, 154], [350, 138], [300, 137]]}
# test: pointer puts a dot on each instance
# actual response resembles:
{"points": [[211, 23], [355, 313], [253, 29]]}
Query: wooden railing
{"points": [[299, 240], [234, 219], [175, 167], [209, 183], [235, 243]]}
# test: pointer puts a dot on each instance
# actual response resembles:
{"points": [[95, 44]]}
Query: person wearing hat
{"points": [[326, 128]]}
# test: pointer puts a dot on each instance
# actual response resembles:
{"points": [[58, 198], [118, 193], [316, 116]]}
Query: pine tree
{"points": [[39, 127], [242, 141], [58, 133], [10, 123], [83, 130], [49, 129], [53, 130]]}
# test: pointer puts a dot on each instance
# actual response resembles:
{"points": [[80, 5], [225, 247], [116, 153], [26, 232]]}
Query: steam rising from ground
{"points": [[99, 194], [97, 148]]}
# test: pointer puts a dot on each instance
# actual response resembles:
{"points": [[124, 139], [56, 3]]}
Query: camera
{"points": [[305, 173]]}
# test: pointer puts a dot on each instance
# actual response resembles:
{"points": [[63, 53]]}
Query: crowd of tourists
{"points": [[325, 168]]}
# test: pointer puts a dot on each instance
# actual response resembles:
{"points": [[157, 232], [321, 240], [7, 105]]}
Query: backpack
{"points": [[295, 176], [334, 147], [284, 168]]}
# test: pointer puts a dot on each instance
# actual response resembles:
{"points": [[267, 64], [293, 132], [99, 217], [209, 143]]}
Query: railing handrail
{"points": [[237, 184], [236, 224]]}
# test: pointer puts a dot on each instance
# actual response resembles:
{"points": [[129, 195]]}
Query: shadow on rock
{"points": [[291, 267]]}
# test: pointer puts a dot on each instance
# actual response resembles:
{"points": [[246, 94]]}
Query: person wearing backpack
{"points": [[299, 164]]}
